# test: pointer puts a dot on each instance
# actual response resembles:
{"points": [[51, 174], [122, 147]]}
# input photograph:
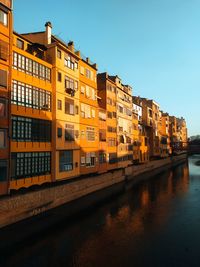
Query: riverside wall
{"points": [[15, 208]]}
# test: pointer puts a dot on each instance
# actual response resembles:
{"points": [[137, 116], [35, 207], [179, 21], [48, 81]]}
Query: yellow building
{"points": [[124, 123], [89, 129], [182, 137], [65, 83], [141, 146], [151, 118], [5, 82], [31, 114], [103, 145], [173, 134], [107, 101], [163, 128]]}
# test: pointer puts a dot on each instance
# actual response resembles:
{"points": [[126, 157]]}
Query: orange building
{"points": [[103, 146], [140, 141], [107, 101], [5, 82], [89, 129], [66, 109], [31, 114], [151, 119], [164, 134]]}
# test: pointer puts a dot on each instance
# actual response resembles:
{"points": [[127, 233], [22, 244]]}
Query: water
{"points": [[156, 223]]}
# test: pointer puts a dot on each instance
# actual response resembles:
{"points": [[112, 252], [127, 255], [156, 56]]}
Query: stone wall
{"points": [[18, 207]]}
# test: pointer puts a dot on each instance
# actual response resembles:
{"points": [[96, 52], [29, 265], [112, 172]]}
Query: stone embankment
{"points": [[18, 207]]}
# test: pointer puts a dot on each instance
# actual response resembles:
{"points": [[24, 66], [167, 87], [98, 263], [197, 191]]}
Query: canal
{"points": [[155, 223]]}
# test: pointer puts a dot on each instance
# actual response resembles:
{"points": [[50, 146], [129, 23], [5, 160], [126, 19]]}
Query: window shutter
{"points": [[3, 78], [3, 50]]}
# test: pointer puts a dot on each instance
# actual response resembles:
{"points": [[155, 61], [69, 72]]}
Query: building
{"points": [[143, 144], [31, 114], [150, 117], [163, 126], [124, 123], [182, 137], [5, 83], [66, 120], [137, 111], [173, 133], [89, 118], [107, 98]]}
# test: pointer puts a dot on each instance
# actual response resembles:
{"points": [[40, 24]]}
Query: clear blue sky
{"points": [[153, 45]]}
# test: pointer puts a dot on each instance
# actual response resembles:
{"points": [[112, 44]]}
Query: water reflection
{"points": [[155, 223]]}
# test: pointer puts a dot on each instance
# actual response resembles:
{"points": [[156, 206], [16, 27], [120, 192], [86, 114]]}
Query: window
{"points": [[102, 135], [90, 159], [69, 106], [109, 115], [59, 104], [90, 134], [109, 101], [30, 130], [112, 129], [4, 50], [59, 76], [24, 165], [88, 73], [112, 158], [82, 89], [59, 132], [3, 78], [66, 160], [3, 170], [30, 96], [31, 67], [82, 70], [76, 65], [93, 113], [2, 138], [3, 18], [3, 107], [102, 116], [69, 132], [20, 44], [82, 161], [59, 54], [111, 142], [120, 109], [69, 62], [102, 157]]}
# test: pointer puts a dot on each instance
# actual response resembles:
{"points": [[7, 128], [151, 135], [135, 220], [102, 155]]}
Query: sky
{"points": [[152, 45]]}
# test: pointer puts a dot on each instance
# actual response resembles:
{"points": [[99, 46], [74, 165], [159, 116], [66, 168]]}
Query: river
{"points": [[154, 223]]}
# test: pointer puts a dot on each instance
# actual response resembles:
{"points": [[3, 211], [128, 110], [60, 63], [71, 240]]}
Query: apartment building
{"points": [[150, 117], [163, 126], [124, 123], [65, 112], [31, 114], [103, 145], [173, 133], [143, 145], [5, 82], [136, 133], [107, 99], [89, 117], [182, 133]]}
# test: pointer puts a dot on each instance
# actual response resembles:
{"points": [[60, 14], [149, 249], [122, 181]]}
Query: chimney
{"points": [[71, 46], [48, 26]]}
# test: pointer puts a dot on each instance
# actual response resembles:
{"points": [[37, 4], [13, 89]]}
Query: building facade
{"points": [[6, 29], [107, 99], [31, 115]]}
